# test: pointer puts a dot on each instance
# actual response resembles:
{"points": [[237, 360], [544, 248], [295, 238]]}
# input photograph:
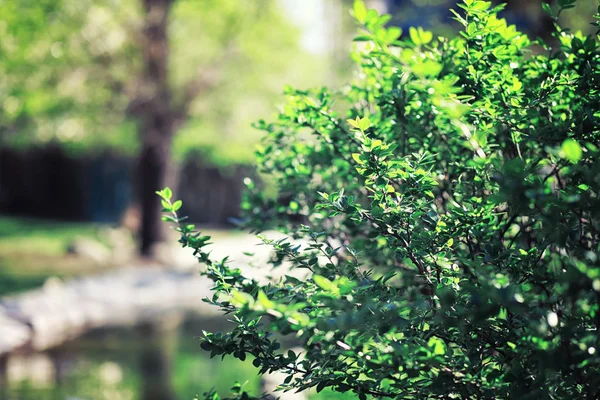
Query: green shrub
{"points": [[448, 204]]}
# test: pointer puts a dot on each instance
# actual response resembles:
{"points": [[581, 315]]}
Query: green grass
{"points": [[24, 235], [32, 250], [11, 282]]}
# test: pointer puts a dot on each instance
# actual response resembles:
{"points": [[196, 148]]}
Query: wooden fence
{"points": [[50, 183]]}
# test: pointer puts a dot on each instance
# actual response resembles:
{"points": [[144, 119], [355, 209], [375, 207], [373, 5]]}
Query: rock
{"points": [[53, 284], [46, 317], [171, 255], [122, 244], [13, 333], [90, 249]]}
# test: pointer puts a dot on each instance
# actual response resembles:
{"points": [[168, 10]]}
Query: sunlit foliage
{"points": [[447, 220]]}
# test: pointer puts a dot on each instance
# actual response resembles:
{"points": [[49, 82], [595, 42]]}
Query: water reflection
{"points": [[159, 361], [156, 359]]}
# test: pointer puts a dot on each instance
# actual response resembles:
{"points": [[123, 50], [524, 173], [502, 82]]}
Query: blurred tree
{"points": [[64, 66], [85, 73]]}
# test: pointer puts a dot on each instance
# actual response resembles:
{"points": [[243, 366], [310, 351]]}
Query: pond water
{"points": [[128, 364]]}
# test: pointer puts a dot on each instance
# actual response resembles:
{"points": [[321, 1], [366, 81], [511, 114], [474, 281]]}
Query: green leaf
{"points": [[517, 85], [364, 124], [363, 38], [393, 34], [325, 284], [427, 68], [414, 35], [294, 206], [372, 18], [264, 301], [360, 11], [437, 345], [354, 122], [419, 36], [426, 36], [459, 18], [345, 285], [177, 205], [546, 7], [322, 385], [572, 150], [360, 123], [481, 5], [358, 158], [241, 299]]}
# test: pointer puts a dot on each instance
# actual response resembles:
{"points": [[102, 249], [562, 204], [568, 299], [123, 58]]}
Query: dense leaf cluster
{"points": [[447, 205]]}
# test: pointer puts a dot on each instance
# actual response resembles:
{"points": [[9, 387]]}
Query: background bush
{"points": [[447, 202]]}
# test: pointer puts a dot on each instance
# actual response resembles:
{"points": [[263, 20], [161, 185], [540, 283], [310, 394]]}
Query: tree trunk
{"points": [[154, 162], [156, 121]]}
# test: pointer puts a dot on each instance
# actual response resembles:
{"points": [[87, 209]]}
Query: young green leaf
{"points": [[572, 150]]}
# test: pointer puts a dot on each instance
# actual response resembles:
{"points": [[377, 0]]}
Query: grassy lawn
{"points": [[43, 237], [32, 250]]}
